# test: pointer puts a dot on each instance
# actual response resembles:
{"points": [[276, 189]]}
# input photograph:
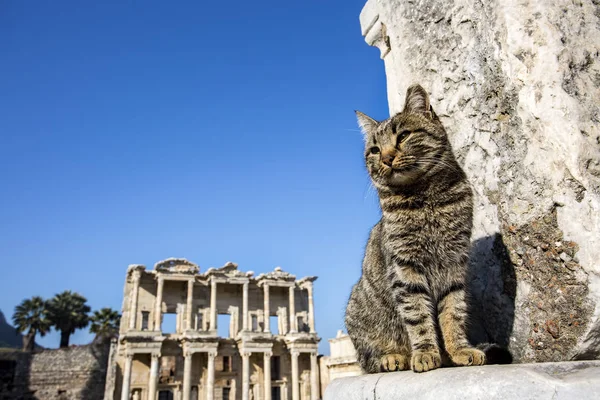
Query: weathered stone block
{"points": [[517, 84], [556, 381]]}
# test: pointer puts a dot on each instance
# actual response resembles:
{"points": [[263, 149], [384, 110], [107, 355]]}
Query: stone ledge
{"points": [[561, 380]]}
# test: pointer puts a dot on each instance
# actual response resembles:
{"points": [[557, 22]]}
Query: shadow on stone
{"points": [[492, 288], [15, 375], [94, 387]]}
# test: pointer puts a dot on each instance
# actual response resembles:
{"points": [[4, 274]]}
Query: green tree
{"points": [[30, 318], [105, 323], [68, 312]]}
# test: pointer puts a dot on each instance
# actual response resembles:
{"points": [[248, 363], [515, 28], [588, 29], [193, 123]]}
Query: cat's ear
{"points": [[417, 101], [366, 123]]}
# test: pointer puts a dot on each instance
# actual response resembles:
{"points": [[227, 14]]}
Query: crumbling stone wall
{"points": [[74, 373], [517, 85]]}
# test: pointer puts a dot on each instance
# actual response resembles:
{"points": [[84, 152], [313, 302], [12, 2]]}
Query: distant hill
{"points": [[9, 337]]}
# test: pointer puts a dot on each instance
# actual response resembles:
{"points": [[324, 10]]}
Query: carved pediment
{"points": [[306, 279], [177, 266], [229, 270], [277, 275]]}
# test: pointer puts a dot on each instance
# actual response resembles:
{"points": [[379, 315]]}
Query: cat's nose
{"points": [[387, 158]]}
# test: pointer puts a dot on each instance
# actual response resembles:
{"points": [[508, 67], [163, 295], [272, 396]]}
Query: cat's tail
{"points": [[495, 354]]}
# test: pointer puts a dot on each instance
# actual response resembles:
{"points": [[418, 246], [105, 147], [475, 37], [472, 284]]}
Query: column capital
{"points": [[268, 354], [188, 353], [212, 353], [136, 275], [129, 356], [245, 354], [295, 352], [155, 355]]}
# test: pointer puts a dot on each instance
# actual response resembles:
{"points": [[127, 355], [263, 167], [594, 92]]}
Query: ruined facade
{"points": [[169, 346]]}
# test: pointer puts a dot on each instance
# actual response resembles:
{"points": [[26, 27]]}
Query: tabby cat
{"points": [[409, 308]]}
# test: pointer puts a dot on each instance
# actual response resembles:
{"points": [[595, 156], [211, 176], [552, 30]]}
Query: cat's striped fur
{"points": [[409, 308]]}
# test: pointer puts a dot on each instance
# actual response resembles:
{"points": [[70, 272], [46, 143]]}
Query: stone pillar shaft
{"points": [[152, 384], [267, 309], [295, 376], [245, 324], [187, 375], [311, 309], [158, 305], [126, 389], [245, 376], [210, 379], [189, 305], [134, 299], [213, 305], [314, 373], [267, 374], [293, 327]]}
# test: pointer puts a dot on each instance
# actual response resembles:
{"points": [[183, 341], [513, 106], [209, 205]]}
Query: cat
{"points": [[409, 308]]}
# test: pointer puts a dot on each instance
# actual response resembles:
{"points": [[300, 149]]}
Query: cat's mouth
{"points": [[401, 174], [404, 168]]}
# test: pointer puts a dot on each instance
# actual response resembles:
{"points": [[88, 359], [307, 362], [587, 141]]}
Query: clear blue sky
{"points": [[133, 131]]}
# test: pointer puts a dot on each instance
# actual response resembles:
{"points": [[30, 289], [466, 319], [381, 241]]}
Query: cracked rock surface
{"points": [[517, 85], [551, 381]]}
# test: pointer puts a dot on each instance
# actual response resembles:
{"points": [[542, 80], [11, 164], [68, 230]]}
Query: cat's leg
{"points": [[414, 304], [374, 356], [377, 334], [452, 315]]}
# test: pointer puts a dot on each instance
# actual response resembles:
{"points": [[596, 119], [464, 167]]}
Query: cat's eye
{"points": [[374, 150], [402, 137]]}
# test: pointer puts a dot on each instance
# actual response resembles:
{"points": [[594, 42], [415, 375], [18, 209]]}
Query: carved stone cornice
{"points": [[176, 266], [228, 271], [134, 271], [306, 281], [277, 275]]}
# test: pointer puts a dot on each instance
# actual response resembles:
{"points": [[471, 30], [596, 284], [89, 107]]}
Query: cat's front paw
{"points": [[468, 356], [394, 362], [423, 361]]}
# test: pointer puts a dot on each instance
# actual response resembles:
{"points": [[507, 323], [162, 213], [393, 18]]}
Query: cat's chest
{"points": [[425, 229]]}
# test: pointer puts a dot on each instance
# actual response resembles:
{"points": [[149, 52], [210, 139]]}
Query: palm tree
{"points": [[105, 323], [67, 312], [31, 316]]}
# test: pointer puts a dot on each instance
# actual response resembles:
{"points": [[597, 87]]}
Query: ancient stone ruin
{"points": [[76, 372], [517, 85], [270, 352]]}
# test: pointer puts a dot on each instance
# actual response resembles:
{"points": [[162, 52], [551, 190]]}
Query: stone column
{"points": [[187, 375], [295, 376], [311, 309], [158, 305], [210, 379], [245, 308], [152, 383], [293, 327], [134, 299], [189, 305], [267, 309], [314, 373], [245, 375], [267, 374], [213, 305], [127, 377]]}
